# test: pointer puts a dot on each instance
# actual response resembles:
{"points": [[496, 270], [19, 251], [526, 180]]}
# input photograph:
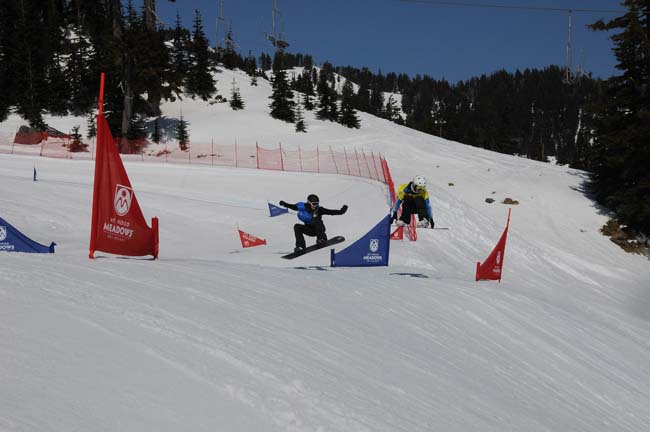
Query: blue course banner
{"points": [[12, 240], [371, 250]]}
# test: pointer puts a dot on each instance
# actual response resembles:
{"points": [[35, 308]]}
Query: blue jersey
{"points": [[303, 214]]}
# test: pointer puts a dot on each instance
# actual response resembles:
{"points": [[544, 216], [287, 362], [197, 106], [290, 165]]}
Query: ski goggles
{"points": [[417, 189], [313, 204]]}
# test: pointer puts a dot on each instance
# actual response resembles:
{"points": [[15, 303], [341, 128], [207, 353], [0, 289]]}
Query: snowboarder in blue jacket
{"points": [[311, 213]]}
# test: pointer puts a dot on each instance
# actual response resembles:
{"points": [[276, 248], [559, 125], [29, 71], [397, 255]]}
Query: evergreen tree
{"points": [[80, 71], [28, 57], [77, 145], [282, 105], [199, 78], [301, 126], [265, 62], [180, 55], [182, 134], [327, 99], [391, 111], [621, 155], [376, 100], [230, 58], [91, 126], [137, 128], [156, 134], [251, 65], [236, 102], [348, 115]]}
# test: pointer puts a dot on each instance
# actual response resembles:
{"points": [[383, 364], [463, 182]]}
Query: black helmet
{"points": [[313, 198]]}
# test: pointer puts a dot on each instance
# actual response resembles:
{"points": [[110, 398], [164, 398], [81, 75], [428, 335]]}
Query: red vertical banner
{"points": [[118, 225], [492, 267]]}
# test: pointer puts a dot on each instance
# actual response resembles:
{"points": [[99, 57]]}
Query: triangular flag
{"points": [[118, 225], [249, 240], [398, 234], [493, 264], [277, 211]]}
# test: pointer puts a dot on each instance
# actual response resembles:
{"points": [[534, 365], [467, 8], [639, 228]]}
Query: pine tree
{"points": [[182, 134], [29, 56], [327, 99], [155, 134], [180, 54], [392, 110], [91, 126], [301, 126], [230, 57], [199, 78], [621, 156], [348, 115], [282, 105], [251, 65], [236, 102], [308, 92], [77, 145], [376, 100]]}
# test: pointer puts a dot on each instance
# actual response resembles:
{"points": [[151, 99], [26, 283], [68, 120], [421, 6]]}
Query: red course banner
{"points": [[118, 226], [493, 264]]}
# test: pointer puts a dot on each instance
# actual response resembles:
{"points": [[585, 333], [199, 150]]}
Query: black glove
{"points": [[393, 218], [344, 209], [283, 204]]}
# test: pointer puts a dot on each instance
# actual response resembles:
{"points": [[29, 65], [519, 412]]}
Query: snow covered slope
{"points": [[213, 337]]}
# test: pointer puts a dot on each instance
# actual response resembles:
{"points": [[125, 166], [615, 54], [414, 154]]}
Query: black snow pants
{"points": [[413, 206], [316, 229]]}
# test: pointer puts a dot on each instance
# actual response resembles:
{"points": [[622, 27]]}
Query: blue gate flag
{"points": [[34, 172], [370, 250], [277, 211], [12, 240]]}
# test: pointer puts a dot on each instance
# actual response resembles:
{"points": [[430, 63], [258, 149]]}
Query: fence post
{"points": [[300, 158], [212, 154], [366, 160], [357, 156], [317, 159], [236, 153], [374, 162], [166, 152], [281, 158], [335, 166], [257, 154], [346, 160]]}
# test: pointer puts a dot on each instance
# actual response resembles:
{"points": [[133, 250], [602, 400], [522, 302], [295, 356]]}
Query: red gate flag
{"points": [[398, 234], [492, 266], [249, 240], [411, 231], [118, 225]]}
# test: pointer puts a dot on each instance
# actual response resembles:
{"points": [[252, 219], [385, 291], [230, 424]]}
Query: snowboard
{"points": [[329, 242]]}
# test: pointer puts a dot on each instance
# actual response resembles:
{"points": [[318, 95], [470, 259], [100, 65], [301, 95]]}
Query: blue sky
{"points": [[450, 42]]}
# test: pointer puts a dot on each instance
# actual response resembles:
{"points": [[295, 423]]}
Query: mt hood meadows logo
{"points": [[123, 198]]}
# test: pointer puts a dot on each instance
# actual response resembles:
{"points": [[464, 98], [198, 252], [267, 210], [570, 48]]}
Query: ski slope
{"points": [[214, 337]]}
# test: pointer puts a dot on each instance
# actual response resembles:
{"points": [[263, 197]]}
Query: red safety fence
{"points": [[352, 162]]}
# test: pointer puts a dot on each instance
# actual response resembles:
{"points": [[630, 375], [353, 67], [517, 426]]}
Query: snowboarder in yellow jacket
{"points": [[414, 199]]}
